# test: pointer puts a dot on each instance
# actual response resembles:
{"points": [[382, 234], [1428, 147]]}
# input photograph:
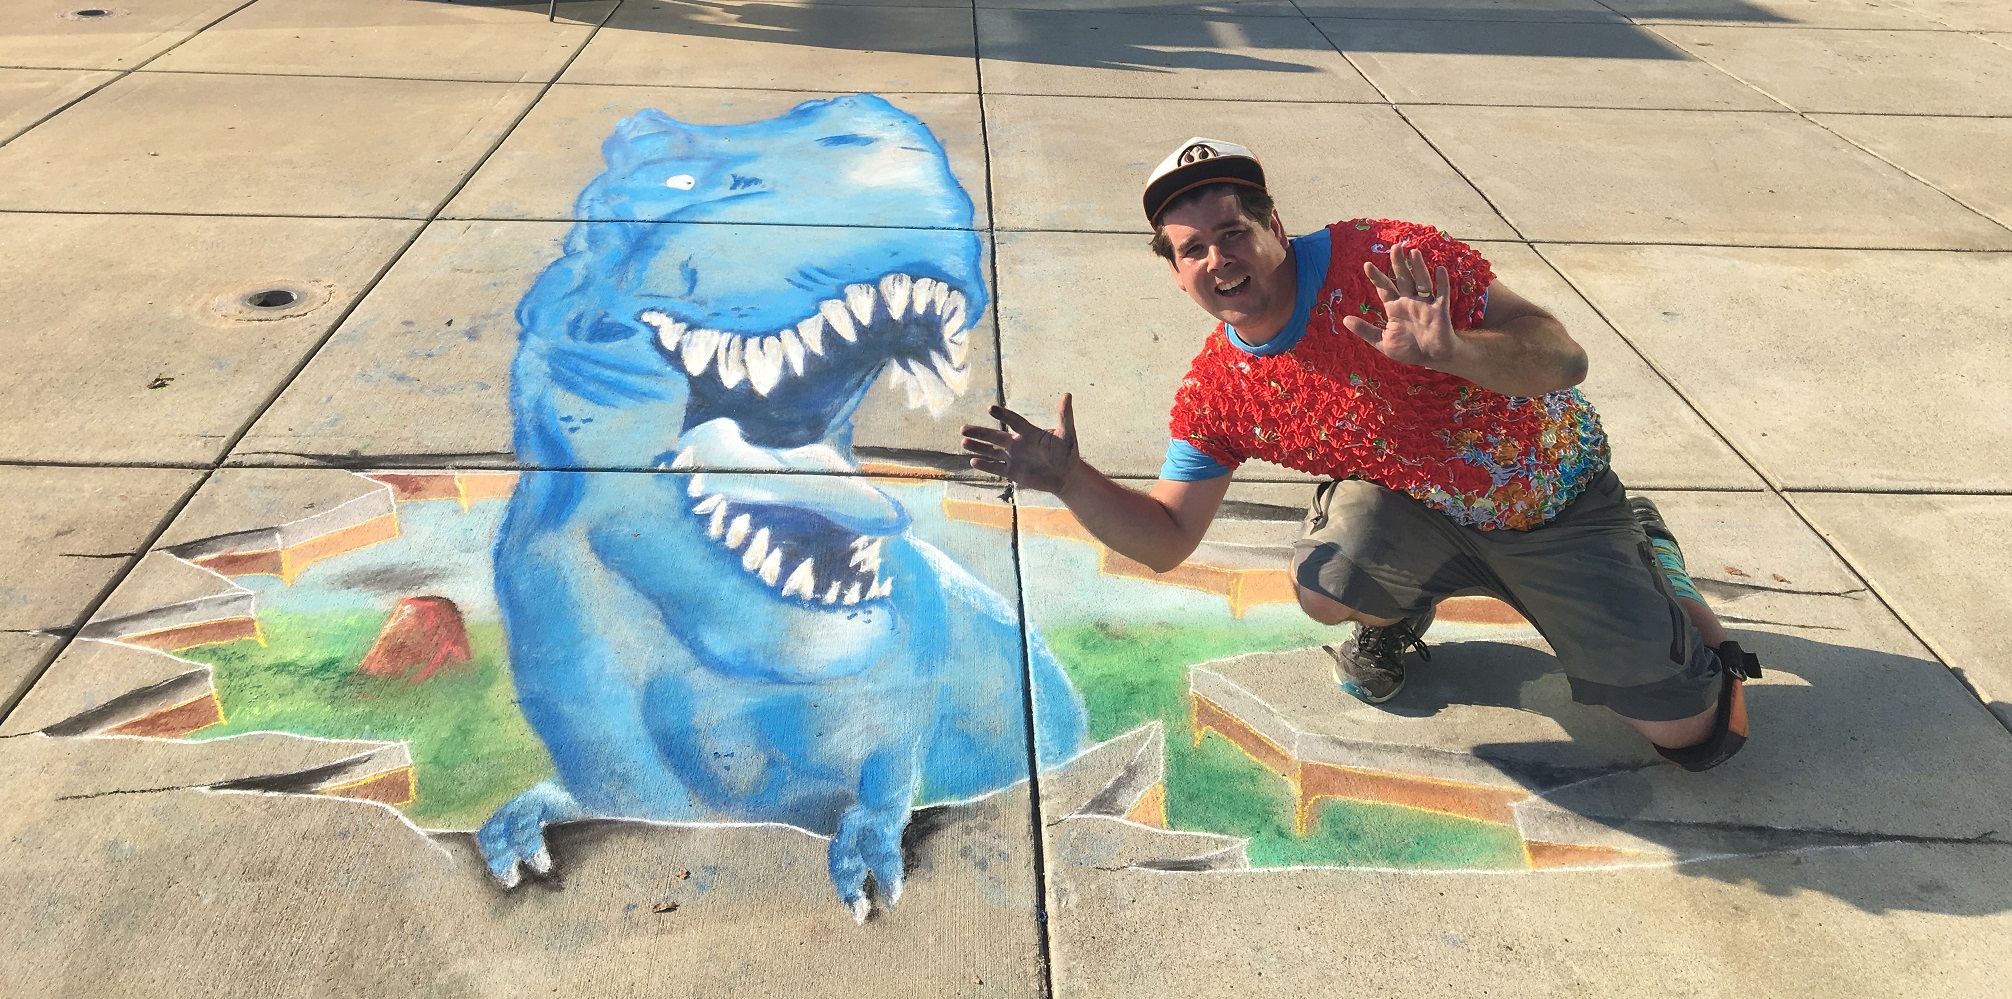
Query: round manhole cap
{"points": [[269, 300]]}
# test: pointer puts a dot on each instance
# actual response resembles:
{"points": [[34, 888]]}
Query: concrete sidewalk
{"points": [[281, 539]]}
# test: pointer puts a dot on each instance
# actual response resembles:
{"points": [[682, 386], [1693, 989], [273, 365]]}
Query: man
{"points": [[1440, 405]]}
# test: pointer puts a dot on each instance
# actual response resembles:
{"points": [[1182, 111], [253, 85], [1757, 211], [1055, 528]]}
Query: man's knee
{"points": [[1326, 610]]}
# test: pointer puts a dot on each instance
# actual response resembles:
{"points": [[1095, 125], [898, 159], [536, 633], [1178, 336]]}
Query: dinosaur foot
{"points": [[514, 837], [868, 845]]}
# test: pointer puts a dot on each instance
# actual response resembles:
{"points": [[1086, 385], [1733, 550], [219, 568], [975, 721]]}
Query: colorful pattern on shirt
{"points": [[1334, 406]]}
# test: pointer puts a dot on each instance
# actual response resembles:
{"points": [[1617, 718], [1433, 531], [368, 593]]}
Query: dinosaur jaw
{"points": [[814, 538], [788, 386]]}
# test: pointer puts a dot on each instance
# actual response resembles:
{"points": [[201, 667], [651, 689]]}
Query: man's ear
{"points": [[1278, 226]]}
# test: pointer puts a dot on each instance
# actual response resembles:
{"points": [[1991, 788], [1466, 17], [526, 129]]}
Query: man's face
{"points": [[1234, 270]]}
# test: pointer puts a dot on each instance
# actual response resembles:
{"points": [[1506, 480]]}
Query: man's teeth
{"points": [[764, 557], [1232, 285], [763, 361]]}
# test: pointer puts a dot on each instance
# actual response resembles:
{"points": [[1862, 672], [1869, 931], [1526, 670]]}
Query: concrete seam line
{"points": [[1037, 833], [1776, 489], [1841, 137]]}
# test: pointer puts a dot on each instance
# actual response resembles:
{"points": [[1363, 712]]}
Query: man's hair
{"points": [[1253, 204]]}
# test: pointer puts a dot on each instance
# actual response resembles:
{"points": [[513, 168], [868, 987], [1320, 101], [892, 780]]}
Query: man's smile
{"points": [[1232, 289]]}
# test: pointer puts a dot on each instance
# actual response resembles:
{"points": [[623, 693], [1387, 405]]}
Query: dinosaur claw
{"points": [[541, 862], [860, 907], [508, 877]]}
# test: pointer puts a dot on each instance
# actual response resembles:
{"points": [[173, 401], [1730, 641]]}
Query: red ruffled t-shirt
{"points": [[1334, 406]]}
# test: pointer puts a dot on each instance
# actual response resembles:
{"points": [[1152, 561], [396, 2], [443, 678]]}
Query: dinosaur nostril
{"points": [[607, 331]]}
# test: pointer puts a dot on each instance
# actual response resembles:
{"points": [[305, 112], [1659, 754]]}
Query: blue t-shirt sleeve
{"points": [[1186, 463]]}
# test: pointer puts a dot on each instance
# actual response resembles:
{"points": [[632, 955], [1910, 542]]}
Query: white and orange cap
{"points": [[1197, 162]]}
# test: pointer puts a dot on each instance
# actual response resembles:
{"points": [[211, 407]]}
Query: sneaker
{"points": [[1370, 665]]}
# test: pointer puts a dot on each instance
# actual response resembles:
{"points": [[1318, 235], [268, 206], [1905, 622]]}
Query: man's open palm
{"points": [[1024, 453], [1417, 312]]}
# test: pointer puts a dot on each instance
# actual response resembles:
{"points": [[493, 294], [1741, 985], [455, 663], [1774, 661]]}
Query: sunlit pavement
{"points": [[261, 267]]}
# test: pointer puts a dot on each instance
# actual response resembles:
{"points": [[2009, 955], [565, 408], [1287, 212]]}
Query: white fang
{"points": [[894, 288]]}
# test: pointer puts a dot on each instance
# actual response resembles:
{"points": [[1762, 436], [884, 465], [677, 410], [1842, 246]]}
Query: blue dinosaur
{"points": [[710, 646]]}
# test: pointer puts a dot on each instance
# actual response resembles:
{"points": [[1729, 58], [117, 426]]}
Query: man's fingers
{"points": [[1065, 415], [1444, 287], [1421, 276], [989, 465], [989, 435], [984, 449], [1363, 328], [1400, 271], [1014, 421], [1383, 284]]}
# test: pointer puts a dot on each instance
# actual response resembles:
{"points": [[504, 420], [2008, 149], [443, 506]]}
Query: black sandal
{"points": [[1729, 732]]}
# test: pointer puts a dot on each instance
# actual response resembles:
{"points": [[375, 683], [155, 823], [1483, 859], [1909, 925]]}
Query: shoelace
{"points": [[1394, 640]]}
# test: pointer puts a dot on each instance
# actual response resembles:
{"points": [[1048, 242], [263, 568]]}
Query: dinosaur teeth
{"points": [[718, 525], [953, 313], [699, 347], [732, 366], [881, 588], [925, 389], [684, 462], [696, 487], [859, 298], [792, 347], [906, 379], [925, 294], [765, 358], [894, 288], [737, 532], [709, 504], [831, 595], [834, 313], [757, 550], [811, 332], [669, 331], [867, 558], [852, 595], [771, 567], [802, 582], [955, 374]]}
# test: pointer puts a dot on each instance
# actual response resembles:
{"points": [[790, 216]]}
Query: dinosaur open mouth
{"points": [[815, 536], [787, 386], [793, 549]]}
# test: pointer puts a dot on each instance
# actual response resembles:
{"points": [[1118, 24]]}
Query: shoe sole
{"points": [[1348, 687]]}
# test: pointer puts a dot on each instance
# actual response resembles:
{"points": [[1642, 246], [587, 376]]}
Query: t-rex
{"points": [[776, 647]]}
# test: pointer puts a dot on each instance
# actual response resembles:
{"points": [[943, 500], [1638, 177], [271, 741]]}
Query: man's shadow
{"points": [[1873, 777]]}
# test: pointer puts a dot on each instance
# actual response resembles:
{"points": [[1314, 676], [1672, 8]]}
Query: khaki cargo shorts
{"points": [[1587, 579]]}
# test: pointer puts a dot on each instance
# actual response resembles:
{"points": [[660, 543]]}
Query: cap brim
{"points": [[1215, 170]]}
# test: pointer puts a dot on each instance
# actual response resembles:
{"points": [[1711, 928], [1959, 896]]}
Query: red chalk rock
{"points": [[424, 633]]}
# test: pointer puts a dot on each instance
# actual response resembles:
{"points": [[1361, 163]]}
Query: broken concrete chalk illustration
{"points": [[735, 621]]}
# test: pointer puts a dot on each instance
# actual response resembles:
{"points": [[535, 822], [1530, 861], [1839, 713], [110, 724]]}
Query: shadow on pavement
{"points": [[1851, 749], [1157, 37]]}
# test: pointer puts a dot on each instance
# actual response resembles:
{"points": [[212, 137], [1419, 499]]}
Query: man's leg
{"points": [[1327, 610], [1383, 560], [1592, 582]]}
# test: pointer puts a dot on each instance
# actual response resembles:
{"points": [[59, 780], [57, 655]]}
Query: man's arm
{"points": [[1519, 349], [1159, 528]]}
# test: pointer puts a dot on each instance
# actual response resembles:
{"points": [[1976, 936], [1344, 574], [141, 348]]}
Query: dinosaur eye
{"points": [[681, 182]]}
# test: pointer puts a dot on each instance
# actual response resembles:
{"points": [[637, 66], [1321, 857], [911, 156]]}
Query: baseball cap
{"points": [[1199, 161]]}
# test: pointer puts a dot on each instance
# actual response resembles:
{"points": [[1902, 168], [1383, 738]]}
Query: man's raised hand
{"points": [[1417, 312], [1024, 453]]}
